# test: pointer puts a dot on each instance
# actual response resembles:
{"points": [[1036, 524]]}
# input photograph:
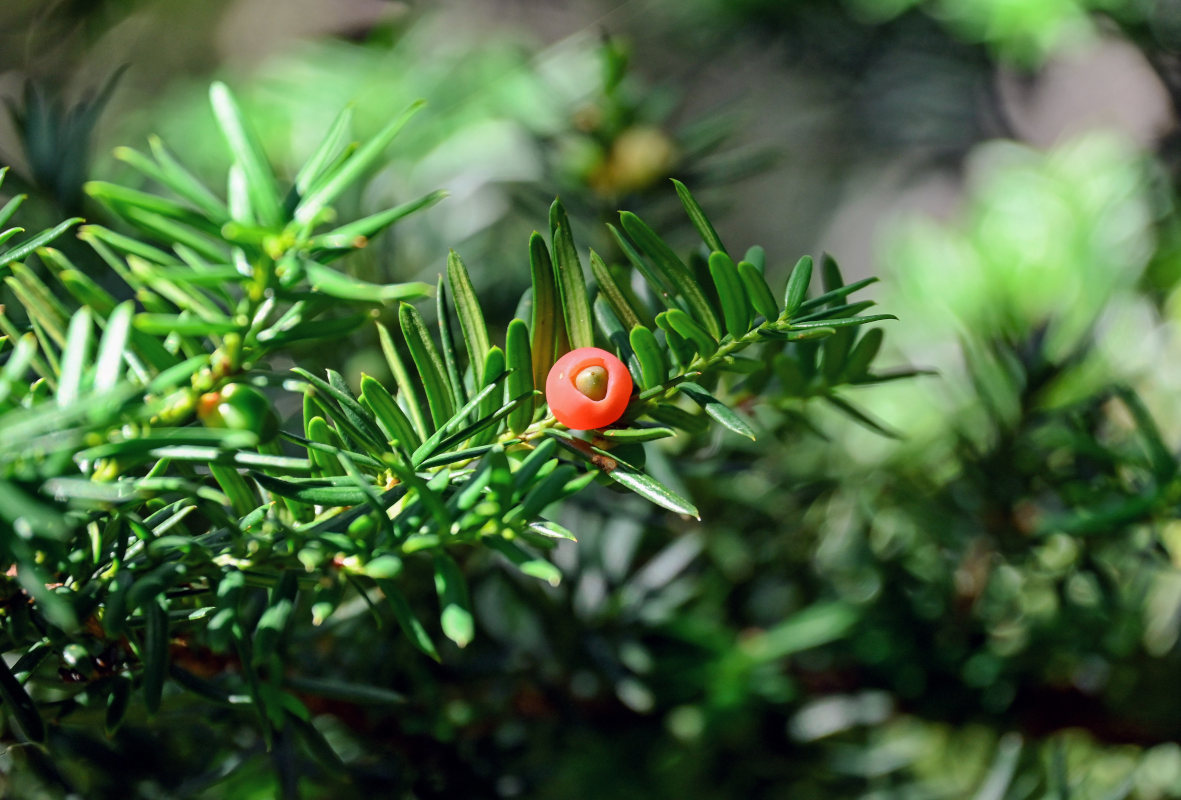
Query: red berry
{"points": [[588, 388]]}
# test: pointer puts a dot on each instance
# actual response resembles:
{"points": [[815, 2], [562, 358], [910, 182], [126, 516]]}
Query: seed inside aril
{"points": [[592, 382]]}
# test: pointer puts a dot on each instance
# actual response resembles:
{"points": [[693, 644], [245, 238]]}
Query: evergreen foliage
{"points": [[157, 514]]}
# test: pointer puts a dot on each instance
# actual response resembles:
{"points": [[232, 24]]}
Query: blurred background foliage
{"points": [[980, 599]]}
